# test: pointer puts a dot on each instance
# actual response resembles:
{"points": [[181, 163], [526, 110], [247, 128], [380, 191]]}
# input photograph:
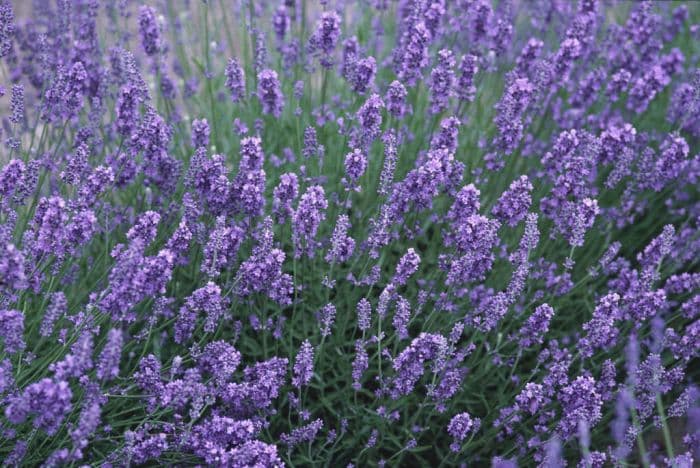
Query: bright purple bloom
{"points": [[220, 359], [247, 194], [580, 403], [513, 103], [145, 228], [407, 266], [474, 237], [583, 217], [262, 272], [63, 98], [78, 361], [466, 203], [47, 401], [255, 453], [209, 179], [512, 206], [674, 151]]}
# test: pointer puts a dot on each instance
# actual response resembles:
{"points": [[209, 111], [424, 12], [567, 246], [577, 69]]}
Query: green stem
{"points": [[667, 433]]}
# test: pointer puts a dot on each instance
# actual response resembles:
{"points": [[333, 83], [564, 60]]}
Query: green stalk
{"points": [[667, 433]]}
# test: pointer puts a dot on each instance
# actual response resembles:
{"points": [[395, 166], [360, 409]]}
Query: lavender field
{"points": [[350, 233]]}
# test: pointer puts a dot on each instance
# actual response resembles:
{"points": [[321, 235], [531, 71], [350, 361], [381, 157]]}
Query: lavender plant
{"points": [[350, 233]]}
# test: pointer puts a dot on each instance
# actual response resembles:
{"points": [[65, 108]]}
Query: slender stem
{"points": [[667, 433], [640, 439], [208, 73]]}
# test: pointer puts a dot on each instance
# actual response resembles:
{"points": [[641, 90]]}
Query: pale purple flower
{"points": [[150, 30], [47, 401], [17, 104], [235, 80], [414, 53], [342, 245], [307, 219], [407, 266], [580, 402], [220, 359], [270, 93], [468, 68], [514, 203], [284, 194], [409, 364], [364, 314], [536, 326], [369, 116], [7, 28], [326, 318], [360, 363], [108, 362], [396, 99], [200, 133], [325, 38], [531, 398], [280, 22], [303, 365], [12, 330], [363, 74], [301, 434], [402, 315], [442, 81], [460, 426]]}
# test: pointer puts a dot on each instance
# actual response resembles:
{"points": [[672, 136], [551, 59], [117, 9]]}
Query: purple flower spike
{"points": [[270, 93]]}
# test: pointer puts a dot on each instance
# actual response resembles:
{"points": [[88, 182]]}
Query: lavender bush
{"points": [[350, 233]]}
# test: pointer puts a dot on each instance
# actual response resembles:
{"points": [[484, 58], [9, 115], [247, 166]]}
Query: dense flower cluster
{"points": [[340, 233]]}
